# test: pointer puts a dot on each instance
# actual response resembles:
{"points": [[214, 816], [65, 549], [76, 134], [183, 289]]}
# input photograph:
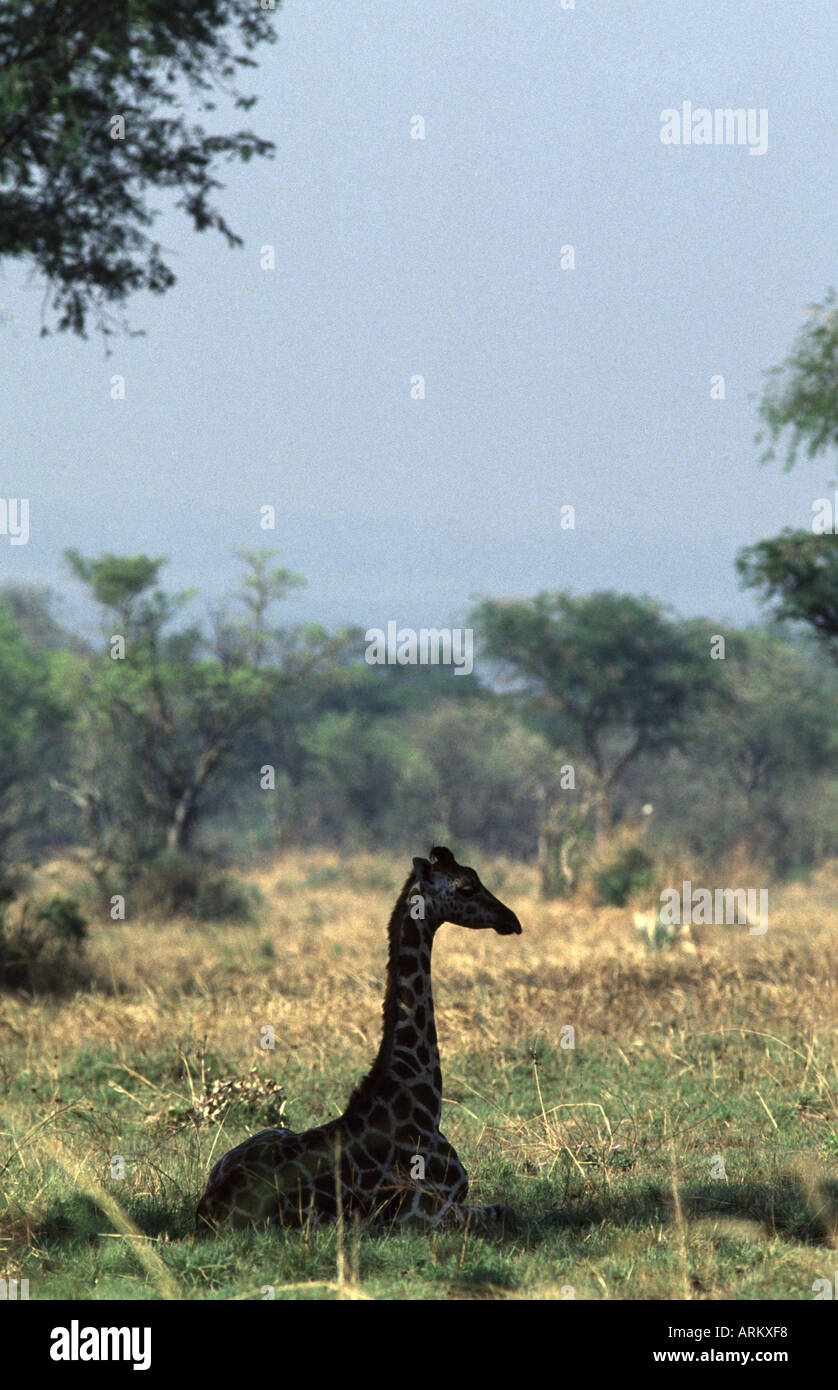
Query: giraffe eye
{"points": [[467, 887]]}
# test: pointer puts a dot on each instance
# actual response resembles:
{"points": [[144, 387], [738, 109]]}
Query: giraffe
{"points": [[385, 1158]]}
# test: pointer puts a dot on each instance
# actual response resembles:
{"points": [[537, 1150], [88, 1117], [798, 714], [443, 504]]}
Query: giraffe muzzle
{"points": [[509, 925]]}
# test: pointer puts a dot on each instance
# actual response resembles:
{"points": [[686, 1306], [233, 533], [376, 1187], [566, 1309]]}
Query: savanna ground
{"points": [[684, 1148]]}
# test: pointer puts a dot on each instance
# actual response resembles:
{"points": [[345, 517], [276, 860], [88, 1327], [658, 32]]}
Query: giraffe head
{"points": [[455, 894]]}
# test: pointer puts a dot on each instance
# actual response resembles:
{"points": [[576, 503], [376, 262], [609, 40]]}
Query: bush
{"points": [[170, 883], [630, 871], [225, 899], [43, 952], [63, 915], [176, 883]]}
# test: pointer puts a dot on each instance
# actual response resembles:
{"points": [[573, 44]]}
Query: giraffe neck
{"points": [[409, 1054]]}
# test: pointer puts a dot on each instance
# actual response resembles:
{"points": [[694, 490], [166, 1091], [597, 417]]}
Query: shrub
{"points": [[170, 882], [225, 899], [630, 871], [63, 915], [177, 883], [43, 951]]}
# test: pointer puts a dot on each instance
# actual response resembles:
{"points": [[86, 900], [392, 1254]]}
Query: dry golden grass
{"points": [[314, 966], [762, 1008]]}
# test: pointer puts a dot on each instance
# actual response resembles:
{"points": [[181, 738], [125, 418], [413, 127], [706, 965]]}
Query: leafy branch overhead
{"points": [[801, 395], [796, 573], [92, 118]]}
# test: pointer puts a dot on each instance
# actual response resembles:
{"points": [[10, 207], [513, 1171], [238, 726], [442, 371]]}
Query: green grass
{"points": [[593, 1182], [609, 1152]]}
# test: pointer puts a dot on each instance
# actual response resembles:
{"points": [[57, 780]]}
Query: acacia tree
{"points": [[165, 706], [606, 676], [91, 119]]}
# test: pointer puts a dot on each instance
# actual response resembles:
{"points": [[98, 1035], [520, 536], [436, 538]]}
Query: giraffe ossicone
{"points": [[385, 1158]]}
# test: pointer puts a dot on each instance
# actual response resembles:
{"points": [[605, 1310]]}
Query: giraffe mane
{"points": [[367, 1087]]}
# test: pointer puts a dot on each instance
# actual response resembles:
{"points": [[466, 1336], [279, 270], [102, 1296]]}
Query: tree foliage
{"points": [[162, 749], [771, 737], [801, 396], [606, 674], [156, 724], [797, 572], [92, 118], [31, 715]]}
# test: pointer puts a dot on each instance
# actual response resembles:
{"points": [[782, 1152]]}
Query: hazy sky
{"points": [[441, 257]]}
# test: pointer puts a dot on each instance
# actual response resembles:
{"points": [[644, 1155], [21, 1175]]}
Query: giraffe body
{"points": [[385, 1158]]}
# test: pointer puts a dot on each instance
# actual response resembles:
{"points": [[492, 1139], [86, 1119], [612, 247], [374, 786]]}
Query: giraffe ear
{"points": [[422, 870], [442, 856]]}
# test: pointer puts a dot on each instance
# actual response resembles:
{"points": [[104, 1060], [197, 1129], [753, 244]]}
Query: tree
{"points": [[31, 607], [248, 633], [31, 715], [797, 572], [467, 772], [771, 740], [91, 119], [606, 675], [156, 724], [802, 393]]}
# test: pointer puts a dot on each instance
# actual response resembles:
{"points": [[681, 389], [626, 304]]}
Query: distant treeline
{"points": [[231, 734]]}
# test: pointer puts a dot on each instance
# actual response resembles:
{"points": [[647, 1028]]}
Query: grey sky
{"points": [[441, 257]]}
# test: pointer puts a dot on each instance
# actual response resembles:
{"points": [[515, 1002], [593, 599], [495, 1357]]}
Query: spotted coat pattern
{"points": [[385, 1158]]}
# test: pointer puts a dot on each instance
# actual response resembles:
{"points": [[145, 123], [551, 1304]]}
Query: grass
{"points": [[684, 1148]]}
